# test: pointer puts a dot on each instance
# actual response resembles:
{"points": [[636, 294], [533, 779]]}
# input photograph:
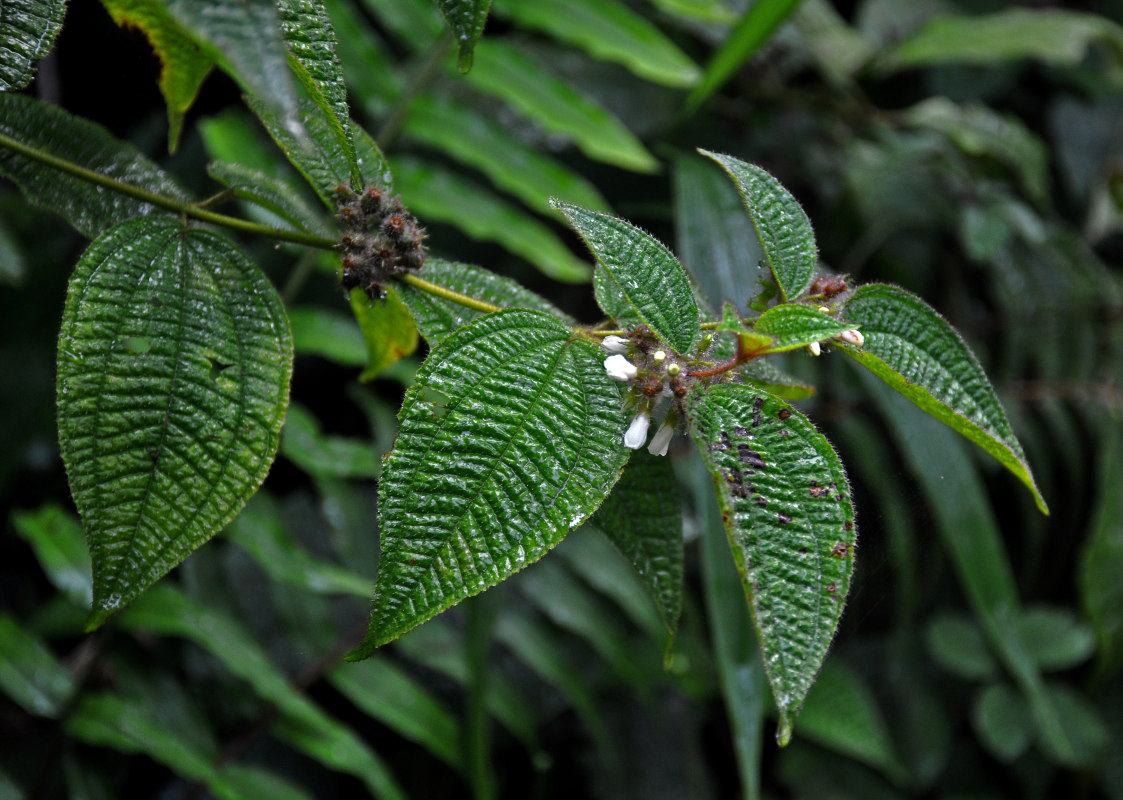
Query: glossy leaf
{"points": [[174, 361], [57, 539], [650, 277], [782, 227], [27, 30], [510, 438], [270, 193], [643, 518], [1052, 35], [387, 329], [790, 523], [436, 317], [793, 326], [509, 73], [758, 23], [29, 672], [88, 208], [609, 30], [183, 64], [440, 195], [914, 350], [466, 18]]}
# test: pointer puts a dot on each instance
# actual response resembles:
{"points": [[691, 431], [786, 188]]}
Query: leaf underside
{"points": [[918, 353], [173, 376], [789, 518], [510, 438]]}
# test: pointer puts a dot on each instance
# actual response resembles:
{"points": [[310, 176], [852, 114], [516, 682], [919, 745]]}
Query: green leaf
{"points": [[1003, 721], [56, 537], [415, 23], [1101, 562], [165, 610], [794, 326], [781, 225], [613, 302], [1052, 35], [328, 333], [27, 30], [270, 193], [643, 518], [758, 23], [13, 265], [436, 317], [957, 644], [466, 18], [477, 140], [650, 277], [714, 239], [786, 505], [766, 375], [388, 330], [174, 361], [437, 194], [321, 456], [510, 438], [88, 208], [184, 65], [509, 73], [609, 30], [1055, 639], [310, 37], [29, 672], [914, 350]]}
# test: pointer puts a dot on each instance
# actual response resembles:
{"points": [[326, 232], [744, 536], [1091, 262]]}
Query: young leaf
{"points": [[781, 225], [466, 18], [793, 326], [27, 29], [436, 317], [643, 518], [510, 438], [387, 329], [786, 505], [174, 361], [914, 350], [88, 208], [650, 277]]}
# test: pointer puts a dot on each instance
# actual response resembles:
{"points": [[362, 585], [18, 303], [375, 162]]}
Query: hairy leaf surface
{"points": [[781, 225], [913, 349], [790, 522], [27, 32], [173, 376], [510, 438], [792, 326], [387, 329], [88, 208], [650, 277]]}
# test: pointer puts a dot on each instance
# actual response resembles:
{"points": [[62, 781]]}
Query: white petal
{"points": [[615, 344], [814, 348], [853, 337], [661, 440], [636, 434], [619, 368]]}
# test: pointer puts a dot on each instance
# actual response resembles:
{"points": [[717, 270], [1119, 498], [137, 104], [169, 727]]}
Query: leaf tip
{"points": [[784, 729]]}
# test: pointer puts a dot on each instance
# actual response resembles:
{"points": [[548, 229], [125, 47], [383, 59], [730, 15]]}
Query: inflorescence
{"points": [[380, 239]]}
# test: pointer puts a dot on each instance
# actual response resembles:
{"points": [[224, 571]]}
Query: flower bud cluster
{"points": [[380, 239], [654, 375]]}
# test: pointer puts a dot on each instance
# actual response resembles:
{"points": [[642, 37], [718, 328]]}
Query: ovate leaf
{"points": [[650, 277], [184, 64], [792, 326], [510, 438], [387, 329], [173, 376], [436, 317], [466, 18], [781, 225], [27, 32], [643, 518], [786, 505], [88, 208], [914, 350]]}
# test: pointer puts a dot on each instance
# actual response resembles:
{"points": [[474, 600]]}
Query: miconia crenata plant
{"points": [[520, 425]]}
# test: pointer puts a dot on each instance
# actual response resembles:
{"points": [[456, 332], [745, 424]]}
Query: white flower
{"points": [[661, 440], [814, 348], [636, 434], [852, 337], [619, 368], [615, 344]]}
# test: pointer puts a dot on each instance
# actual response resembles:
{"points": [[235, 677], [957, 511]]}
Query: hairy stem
{"points": [[192, 210]]}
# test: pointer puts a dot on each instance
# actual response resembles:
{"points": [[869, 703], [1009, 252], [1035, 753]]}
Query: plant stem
{"points": [[448, 294], [421, 80], [183, 207]]}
